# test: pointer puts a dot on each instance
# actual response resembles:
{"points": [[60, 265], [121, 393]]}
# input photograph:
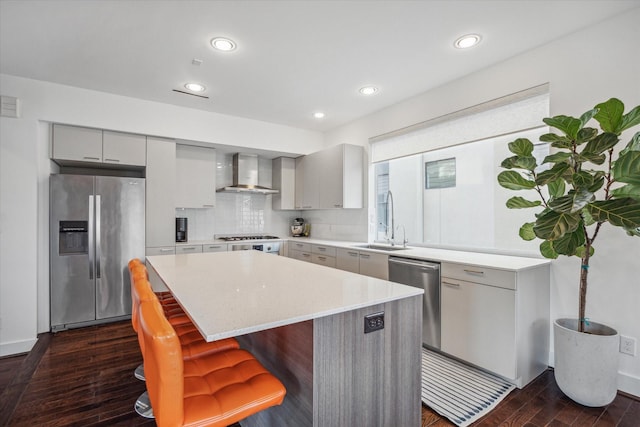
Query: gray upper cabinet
{"points": [[77, 144], [124, 148], [195, 176], [72, 144], [160, 198], [284, 180], [330, 179], [340, 183]]}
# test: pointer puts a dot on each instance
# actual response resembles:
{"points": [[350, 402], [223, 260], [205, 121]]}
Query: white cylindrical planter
{"points": [[586, 364]]}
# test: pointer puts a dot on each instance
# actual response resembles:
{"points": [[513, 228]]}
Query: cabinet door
{"points": [[374, 265], [348, 260], [195, 177], [478, 325], [160, 199], [124, 148], [330, 187], [77, 144], [284, 180], [300, 255], [307, 181]]}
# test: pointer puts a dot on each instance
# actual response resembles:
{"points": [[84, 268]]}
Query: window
{"points": [[448, 196], [440, 174]]}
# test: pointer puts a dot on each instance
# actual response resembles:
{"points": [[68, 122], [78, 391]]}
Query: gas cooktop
{"points": [[240, 238]]}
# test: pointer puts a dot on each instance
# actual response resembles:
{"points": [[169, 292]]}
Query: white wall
{"points": [[24, 147], [583, 69]]}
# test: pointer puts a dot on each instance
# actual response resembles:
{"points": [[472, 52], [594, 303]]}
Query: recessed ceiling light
{"points": [[467, 41], [368, 90], [318, 115], [195, 87], [223, 44]]}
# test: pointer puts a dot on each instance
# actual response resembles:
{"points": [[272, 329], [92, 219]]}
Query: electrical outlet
{"points": [[373, 322], [627, 345]]}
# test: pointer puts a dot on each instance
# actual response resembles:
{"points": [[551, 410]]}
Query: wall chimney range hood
{"points": [[245, 176]]}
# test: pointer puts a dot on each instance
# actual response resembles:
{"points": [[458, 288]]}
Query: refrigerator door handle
{"points": [[98, 231], [91, 234]]}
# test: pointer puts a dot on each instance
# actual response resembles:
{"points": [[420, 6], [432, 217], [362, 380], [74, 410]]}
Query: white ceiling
{"points": [[294, 57]]}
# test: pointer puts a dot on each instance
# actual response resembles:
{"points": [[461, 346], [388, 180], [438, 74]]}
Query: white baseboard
{"points": [[17, 347], [626, 382]]}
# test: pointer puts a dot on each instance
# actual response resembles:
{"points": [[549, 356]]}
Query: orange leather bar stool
{"points": [[212, 390]]}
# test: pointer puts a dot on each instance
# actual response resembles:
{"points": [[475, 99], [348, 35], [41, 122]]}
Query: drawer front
{"points": [[301, 255], [323, 250], [214, 248], [325, 260], [487, 276], [298, 246], [188, 249], [162, 250]]}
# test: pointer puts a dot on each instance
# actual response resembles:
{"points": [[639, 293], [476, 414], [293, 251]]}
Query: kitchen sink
{"points": [[382, 247]]}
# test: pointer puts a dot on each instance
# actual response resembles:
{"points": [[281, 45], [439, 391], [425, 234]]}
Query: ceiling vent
{"points": [[10, 107]]}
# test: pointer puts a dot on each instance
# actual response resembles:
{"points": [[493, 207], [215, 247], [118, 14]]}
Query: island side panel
{"points": [[369, 379], [287, 352]]}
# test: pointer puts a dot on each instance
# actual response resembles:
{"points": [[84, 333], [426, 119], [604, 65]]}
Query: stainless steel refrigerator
{"points": [[96, 227]]}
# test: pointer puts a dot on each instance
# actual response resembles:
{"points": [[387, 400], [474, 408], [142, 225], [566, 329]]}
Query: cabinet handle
{"points": [[167, 250], [337, 206], [479, 272], [364, 256], [215, 247], [322, 258], [320, 248], [455, 285], [112, 160], [91, 158], [189, 248], [298, 245], [352, 253], [306, 255], [207, 206]]}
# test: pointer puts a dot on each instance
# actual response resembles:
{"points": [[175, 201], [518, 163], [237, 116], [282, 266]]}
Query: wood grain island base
{"points": [[306, 324]]}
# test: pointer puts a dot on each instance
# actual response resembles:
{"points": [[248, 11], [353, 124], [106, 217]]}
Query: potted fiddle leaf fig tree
{"points": [[586, 183]]}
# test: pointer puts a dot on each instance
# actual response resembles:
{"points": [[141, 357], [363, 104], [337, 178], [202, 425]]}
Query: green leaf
{"points": [[556, 188], [521, 147], [581, 251], [596, 159], [633, 231], [526, 231], [527, 163], [546, 249], [556, 140], [633, 145], [601, 143], [514, 181], [557, 157], [630, 119], [597, 184], [568, 125], [582, 179], [584, 119], [518, 202], [627, 168], [619, 212], [552, 174], [609, 115], [572, 202], [570, 242], [586, 135], [628, 190], [553, 225], [587, 218]]}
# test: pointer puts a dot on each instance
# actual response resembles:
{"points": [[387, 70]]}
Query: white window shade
{"points": [[521, 111]]}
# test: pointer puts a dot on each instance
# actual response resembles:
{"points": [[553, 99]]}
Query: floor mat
{"points": [[459, 392]]}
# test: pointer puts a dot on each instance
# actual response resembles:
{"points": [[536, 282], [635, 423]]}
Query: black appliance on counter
{"points": [[181, 229]]}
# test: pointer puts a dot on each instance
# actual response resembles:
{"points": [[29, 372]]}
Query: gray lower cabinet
{"points": [[374, 265], [348, 260], [497, 319], [188, 249], [217, 247]]}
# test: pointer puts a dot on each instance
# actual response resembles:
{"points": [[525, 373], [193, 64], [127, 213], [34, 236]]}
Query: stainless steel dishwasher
{"points": [[425, 275]]}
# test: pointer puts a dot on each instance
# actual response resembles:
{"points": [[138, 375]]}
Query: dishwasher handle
{"points": [[415, 263]]}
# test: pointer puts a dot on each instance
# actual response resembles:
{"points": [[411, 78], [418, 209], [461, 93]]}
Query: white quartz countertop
{"points": [[228, 294], [502, 262]]}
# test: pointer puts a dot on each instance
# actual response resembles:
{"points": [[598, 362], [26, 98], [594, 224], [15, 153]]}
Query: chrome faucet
{"points": [[389, 202]]}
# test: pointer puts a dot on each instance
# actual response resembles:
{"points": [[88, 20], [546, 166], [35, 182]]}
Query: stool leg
{"points": [[143, 406], [139, 372]]}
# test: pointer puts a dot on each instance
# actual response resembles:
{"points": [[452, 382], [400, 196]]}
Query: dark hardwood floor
{"points": [[84, 377]]}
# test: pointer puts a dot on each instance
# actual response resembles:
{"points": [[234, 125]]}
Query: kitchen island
{"points": [[306, 324]]}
